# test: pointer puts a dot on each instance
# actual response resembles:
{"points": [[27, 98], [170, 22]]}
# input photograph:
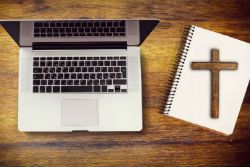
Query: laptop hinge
{"points": [[78, 45]]}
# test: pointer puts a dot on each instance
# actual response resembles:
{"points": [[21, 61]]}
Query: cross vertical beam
{"points": [[215, 65]]}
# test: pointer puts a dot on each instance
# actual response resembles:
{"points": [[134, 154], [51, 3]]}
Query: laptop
{"points": [[79, 75]]}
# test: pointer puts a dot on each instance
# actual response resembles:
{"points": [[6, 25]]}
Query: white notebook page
{"points": [[192, 101]]}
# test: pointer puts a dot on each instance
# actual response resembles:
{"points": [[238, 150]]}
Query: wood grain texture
{"points": [[164, 141]]}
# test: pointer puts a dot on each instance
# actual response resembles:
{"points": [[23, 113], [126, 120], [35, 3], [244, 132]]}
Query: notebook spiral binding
{"points": [[176, 71]]}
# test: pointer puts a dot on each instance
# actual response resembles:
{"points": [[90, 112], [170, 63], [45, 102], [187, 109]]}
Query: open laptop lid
{"points": [[143, 26]]}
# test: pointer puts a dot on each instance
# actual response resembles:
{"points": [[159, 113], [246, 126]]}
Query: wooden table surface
{"points": [[164, 141]]}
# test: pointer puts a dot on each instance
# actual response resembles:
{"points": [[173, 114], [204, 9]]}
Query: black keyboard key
{"points": [[60, 76], [103, 69], [86, 76], [56, 58], [36, 30], [119, 81], [66, 76], [53, 76], [105, 75], [121, 63], [97, 69], [118, 75], [115, 23], [68, 63], [113, 63], [36, 82], [89, 82], [59, 24], [47, 76], [69, 82], [79, 76], [82, 58], [38, 24], [83, 82], [111, 75], [42, 63], [42, 89], [37, 70], [74, 63], [117, 88], [110, 90], [107, 63], [61, 63], [84, 69], [73, 76], [122, 23], [109, 58], [76, 89], [99, 75], [81, 63], [109, 82], [56, 82], [96, 82], [120, 29], [91, 69], [87, 63], [48, 89], [50, 82], [123, 57], [52, 69], [92, 76], [45, 70], [43, 82], [100, 63], [104, 89], [38, 76], [110, 69], [106, 29], [35, 89], [76, 82], [116, 69], [58, 69], [56, 88], [65, 69], [49, 63], [94, 63], [123, 90], [77, 69], [63, 82], [102, 82], [71, 69], [97, 89]]}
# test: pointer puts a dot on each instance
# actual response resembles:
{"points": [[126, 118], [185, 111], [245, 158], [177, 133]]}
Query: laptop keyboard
{"points": [[79, 74], [115, 28]]}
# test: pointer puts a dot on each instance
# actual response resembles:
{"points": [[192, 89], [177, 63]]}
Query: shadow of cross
{"points": [[215, 65]]}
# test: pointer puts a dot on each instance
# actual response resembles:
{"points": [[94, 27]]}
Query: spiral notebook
{"points": [[189, 98]]}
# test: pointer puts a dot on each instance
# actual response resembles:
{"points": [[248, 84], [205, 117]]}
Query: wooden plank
{"points": [[164, 141]]}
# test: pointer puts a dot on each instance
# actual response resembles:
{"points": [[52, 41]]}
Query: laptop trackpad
{"points": [[80, 112]]}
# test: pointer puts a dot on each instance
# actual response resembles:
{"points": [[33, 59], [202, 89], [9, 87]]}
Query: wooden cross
{"points": [[215, 65]]}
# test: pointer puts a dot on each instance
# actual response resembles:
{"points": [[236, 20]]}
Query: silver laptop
{"points": [[79, 75]]}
